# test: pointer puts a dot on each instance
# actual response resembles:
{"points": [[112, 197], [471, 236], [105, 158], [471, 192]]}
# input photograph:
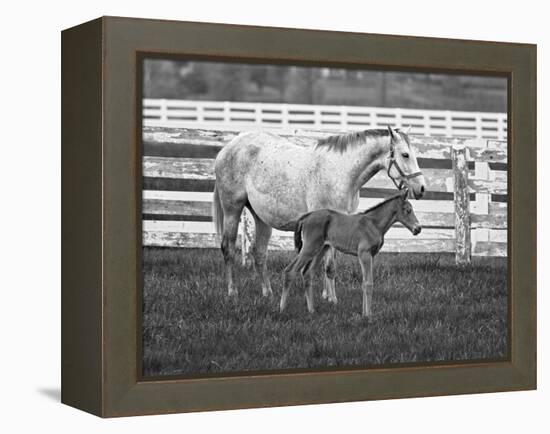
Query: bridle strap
{"points": [[402, 175]]}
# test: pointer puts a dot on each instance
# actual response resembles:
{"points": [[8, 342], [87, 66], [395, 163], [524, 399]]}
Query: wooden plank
{"points": [[462, 206], [208, 228], [190, 240], [179, 239], [498, 236], [187, 135], [433, 147], [204, 209], [487, 248], [196, 196], [176, 207], [489, 221], [426, 147], [493, 235], [203, 169], [420, 206], [419, 245], [489, 155], [486, 186], [202, 185], [179, 168]]}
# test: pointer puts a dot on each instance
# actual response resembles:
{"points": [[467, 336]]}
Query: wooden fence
{"points": [[464, 209], [243, 115]]}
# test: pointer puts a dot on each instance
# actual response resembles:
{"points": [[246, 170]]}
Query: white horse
{"points": [[279, 181]]}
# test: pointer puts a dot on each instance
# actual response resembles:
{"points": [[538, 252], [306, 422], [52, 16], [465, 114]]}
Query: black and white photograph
{"points": [[309, 217]]}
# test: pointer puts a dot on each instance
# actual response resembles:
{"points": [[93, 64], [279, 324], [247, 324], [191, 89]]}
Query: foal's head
{"points": [[405, 214]]}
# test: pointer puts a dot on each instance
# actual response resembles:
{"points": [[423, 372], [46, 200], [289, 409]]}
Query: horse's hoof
{"points": [[333, 300], [233, 293], [324, 295]]}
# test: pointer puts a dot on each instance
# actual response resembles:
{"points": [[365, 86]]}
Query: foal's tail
{"points": [[298, 233], [217, 211], [298, 236]]}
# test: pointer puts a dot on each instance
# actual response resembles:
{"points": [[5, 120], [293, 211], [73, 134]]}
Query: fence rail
{"points": [[178, 182], [243, 115]]}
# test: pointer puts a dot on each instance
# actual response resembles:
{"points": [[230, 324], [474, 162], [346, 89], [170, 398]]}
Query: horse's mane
{"points": [[341, 142], [385, 201]]}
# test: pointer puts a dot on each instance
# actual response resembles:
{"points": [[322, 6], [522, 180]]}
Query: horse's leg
{"points": [[366, 260], [229, 237], [288, 277], [259, 252], [329, 290]]}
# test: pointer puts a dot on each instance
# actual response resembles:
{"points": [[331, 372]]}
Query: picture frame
{"points": [[101, 216]]}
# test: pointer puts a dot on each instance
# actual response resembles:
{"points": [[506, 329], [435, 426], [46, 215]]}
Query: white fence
{"points": [[178, 185], [244, 115]]}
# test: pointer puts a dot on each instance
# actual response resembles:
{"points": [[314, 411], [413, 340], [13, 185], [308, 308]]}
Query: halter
{"points": [[402, 175]]}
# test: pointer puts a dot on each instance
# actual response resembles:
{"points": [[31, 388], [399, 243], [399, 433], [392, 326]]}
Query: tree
{"points": [[303, 85], [228, 81], [258, 75]]}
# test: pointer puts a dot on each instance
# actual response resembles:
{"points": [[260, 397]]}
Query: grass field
{"points": [[425, 309]]}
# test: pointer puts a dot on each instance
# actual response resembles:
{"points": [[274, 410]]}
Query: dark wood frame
{"points": [[101, 228]]}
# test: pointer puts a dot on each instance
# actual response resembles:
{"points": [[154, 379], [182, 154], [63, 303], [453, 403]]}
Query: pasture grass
{"points": [[425, 309]]}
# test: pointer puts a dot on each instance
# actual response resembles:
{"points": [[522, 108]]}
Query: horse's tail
{"points": [[217, 211]]}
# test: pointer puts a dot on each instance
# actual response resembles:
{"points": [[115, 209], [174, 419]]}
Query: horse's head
{"points": [[406, 216], [402, 166]]}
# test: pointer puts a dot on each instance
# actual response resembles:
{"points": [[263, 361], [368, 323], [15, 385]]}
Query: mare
{"points": [[279, 181]]}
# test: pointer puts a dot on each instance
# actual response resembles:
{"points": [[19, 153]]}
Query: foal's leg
{"points": [[259, 251], [229, 236], [308, 272], [300, 263], [329, 290], [308, 278], [366, 260]]}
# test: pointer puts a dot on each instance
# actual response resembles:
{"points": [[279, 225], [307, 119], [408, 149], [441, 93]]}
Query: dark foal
{"points": [[361, 235]]}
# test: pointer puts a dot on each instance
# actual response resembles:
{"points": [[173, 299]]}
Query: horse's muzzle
{"points": [[417, 229], [418, 192]]}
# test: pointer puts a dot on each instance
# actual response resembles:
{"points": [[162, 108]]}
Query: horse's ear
{"points": [[405, 192], [392, 132]]}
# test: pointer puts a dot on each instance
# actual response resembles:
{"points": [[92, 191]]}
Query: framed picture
{"points": [[259, 216]]}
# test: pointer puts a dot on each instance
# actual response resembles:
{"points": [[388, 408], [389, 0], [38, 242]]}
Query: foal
{"points": [[361, 235]]}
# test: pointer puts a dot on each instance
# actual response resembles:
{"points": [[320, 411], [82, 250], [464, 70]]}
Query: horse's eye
{"points": [[405, 155]]}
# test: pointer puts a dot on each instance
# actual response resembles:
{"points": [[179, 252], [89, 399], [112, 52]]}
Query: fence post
{"points": [[482, 172], [501, 123], [462, 205], [163, 111], [226, 113], [479, 126], [247, 235]]}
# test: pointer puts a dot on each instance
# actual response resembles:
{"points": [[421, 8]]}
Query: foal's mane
{"points": [[384, 202], [341, 142]]}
